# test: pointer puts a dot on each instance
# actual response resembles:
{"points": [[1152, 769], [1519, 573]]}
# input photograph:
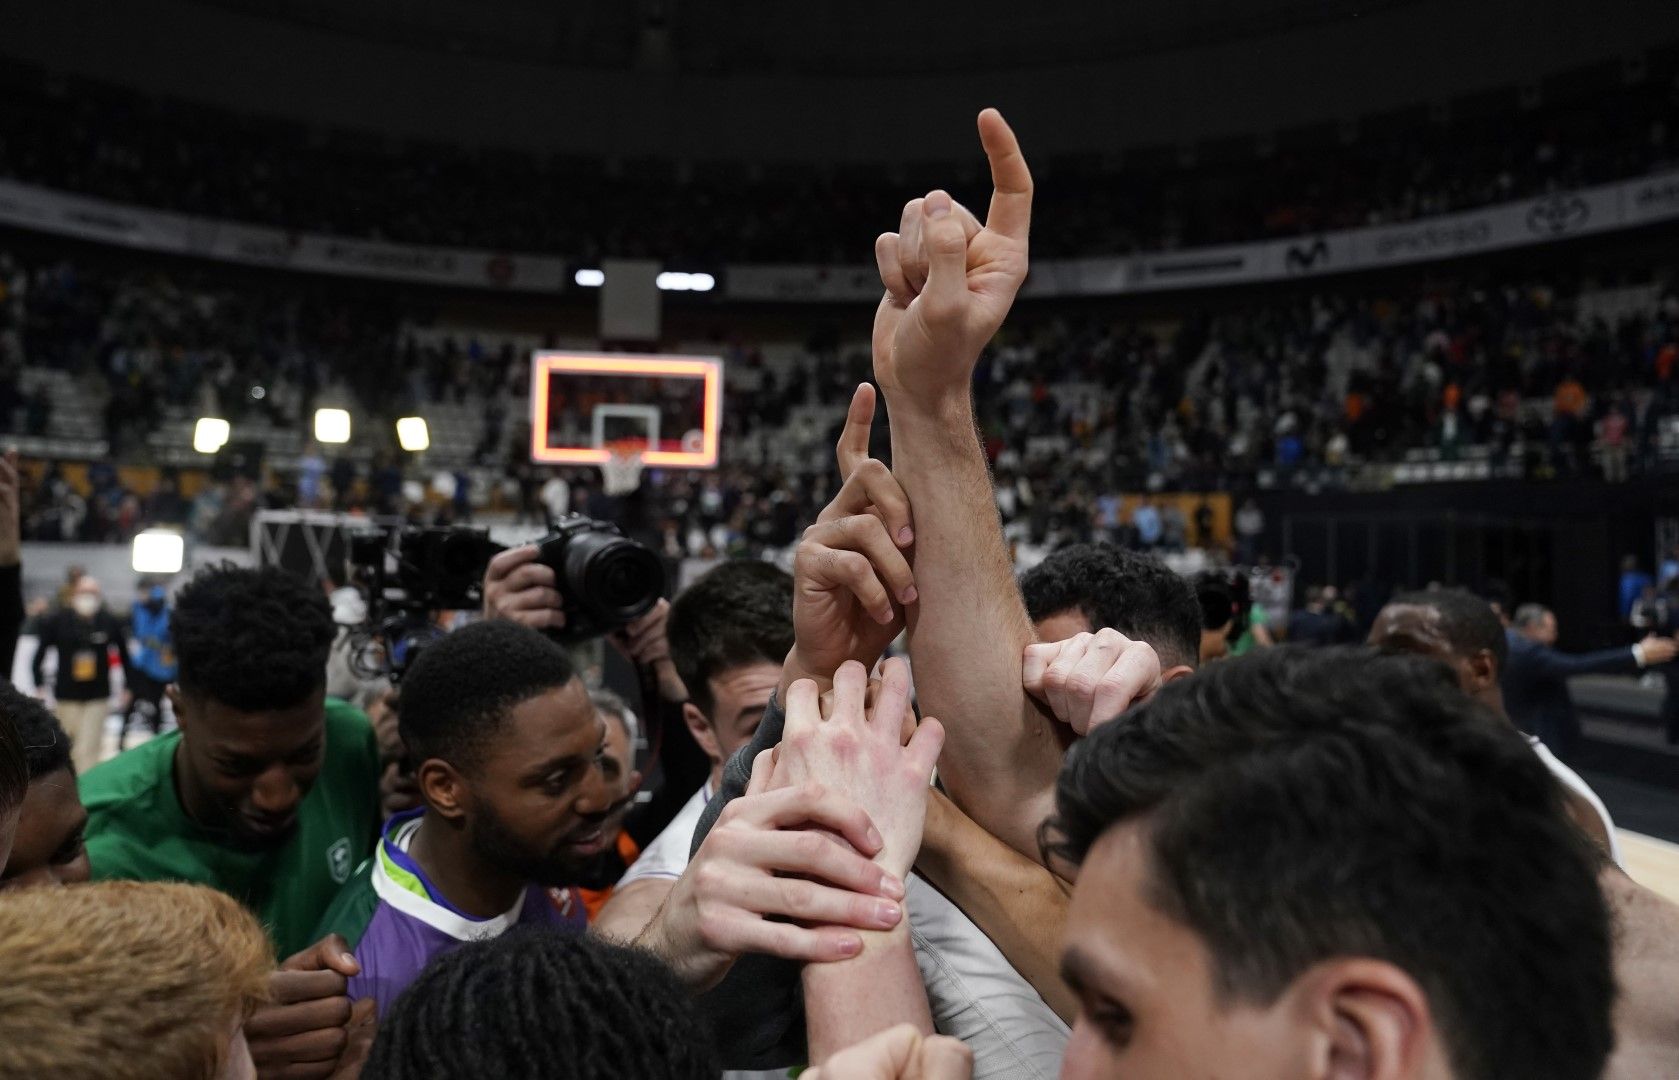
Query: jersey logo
{"points": [[338, 860]]}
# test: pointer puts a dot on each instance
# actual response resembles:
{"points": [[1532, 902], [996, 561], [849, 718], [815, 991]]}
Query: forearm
{"points": [[1020, 906], [849, 1000], [968, 632]]}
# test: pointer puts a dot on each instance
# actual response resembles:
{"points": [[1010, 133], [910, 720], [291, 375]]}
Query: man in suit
{"points": [[1536, 678]]}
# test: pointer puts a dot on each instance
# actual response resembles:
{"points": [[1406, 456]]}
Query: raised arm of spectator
{"points": [[949, 284], [859, 752], [1654, 649]]}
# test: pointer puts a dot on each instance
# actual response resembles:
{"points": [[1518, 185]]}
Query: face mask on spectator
{"points": [[85, 605]]}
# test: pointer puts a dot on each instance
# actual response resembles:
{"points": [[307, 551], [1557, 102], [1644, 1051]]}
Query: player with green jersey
{"points": [[269, 792]]}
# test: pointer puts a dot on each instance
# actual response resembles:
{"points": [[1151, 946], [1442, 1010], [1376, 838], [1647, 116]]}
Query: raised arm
{"points": [[1626, 659], [949, 284], [859, 752]]}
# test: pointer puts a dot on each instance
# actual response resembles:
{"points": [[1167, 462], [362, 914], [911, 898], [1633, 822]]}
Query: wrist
{"points": [[794, 668], [951, 404], [1638, 655]]}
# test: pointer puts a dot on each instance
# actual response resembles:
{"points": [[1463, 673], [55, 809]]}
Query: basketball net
{"points": [[621, 471]]}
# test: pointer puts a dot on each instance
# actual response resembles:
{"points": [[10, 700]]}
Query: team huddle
{"points": [[913, 817]]}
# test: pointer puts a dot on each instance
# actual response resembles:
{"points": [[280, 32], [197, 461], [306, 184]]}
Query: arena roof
{"points": [[810, 37]]}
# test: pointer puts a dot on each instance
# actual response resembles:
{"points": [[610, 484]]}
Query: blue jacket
{"points": [[1535, 683], [156, 653]]}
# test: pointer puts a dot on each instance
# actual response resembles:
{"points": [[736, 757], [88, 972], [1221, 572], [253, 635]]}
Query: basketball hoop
{"points": [[621, 471]]}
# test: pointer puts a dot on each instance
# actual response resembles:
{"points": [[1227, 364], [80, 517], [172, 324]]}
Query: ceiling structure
{"points": [[809, 37]]}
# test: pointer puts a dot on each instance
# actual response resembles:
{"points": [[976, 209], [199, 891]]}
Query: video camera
{"points": [[605, 581]]}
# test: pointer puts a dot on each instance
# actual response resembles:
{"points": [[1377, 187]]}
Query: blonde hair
{"points": [[142, 981]]}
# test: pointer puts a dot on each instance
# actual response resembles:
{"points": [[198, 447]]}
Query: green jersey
{"points": [[137, 831]]}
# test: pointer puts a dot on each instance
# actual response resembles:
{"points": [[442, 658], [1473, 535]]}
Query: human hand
{"points": [[362, 1029], [851, 578], [861, 753], [301, 1034], [644, 644], [949, 281], [1658, 650], [770, 855], [398, 789], [899, 1053], [1089, 679], [11, 528], [519, 588]]}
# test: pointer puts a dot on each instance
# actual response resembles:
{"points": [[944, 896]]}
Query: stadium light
{"points": [[210, 434], [677, 281], [412, 433], [590, 279], [158, 551], [332, 426]]}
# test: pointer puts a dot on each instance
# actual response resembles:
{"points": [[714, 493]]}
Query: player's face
{"points": [[739, 696], [1148, 1004], [253, 768], [617, 769], [540, 803], [1063, 625], [48, 849]]}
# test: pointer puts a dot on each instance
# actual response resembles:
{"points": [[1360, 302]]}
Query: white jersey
{"points": [[976, 994], [1573, 782], [667, 856]]}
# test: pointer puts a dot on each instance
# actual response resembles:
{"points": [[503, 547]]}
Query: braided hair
{"points": [[536, 1003]]}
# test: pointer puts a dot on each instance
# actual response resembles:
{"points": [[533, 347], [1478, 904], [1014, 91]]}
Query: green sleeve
{"points": [[352, 910]]}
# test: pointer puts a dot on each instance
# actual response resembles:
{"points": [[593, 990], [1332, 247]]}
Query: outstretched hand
{"points": [[950, 281], [851, 576], [859, 751]]}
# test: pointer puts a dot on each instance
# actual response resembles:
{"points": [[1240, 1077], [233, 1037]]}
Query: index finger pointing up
{"points": [[1011, 180], [853, 447]]}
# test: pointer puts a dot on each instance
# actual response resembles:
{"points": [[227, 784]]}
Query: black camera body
{"points": [[605, 580]]}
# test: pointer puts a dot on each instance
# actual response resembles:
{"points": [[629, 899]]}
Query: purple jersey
{"points": [[396, 922]]}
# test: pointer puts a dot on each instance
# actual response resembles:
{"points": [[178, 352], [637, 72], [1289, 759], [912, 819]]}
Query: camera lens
{"points": [[618, 579]]}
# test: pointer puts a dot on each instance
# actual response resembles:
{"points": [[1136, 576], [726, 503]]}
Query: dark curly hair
{"points": [[253, 639], [535, 1003], [1301, 805], [46, 748], [1136, 594], [1470, 624], [738, 613], [459, 691]]}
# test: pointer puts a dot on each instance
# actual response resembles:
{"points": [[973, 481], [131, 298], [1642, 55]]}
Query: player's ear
{"points": [[443, 788], [700, 728]]}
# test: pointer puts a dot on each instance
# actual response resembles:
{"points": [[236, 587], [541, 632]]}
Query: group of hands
{"points": [[818, 849]]}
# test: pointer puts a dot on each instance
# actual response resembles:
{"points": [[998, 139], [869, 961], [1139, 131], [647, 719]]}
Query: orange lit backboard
{"points": [[568, 388]]}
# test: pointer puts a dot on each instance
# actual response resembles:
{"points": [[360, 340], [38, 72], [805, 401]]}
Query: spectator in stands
{"points": [[1147, 521], [1318, 623], [49, 848], [1348, 962], [1633, 582], [82, 636], [520, 1005], [153, 666], [508, 750], [1250, 526], [151, 981], [1536, 680]]}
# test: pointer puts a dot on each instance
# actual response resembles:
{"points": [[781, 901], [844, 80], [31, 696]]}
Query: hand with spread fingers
{"points": [[899, 1053], [851, 576], [1089, 679], [949, 280], [860, 752], [771, 879]]}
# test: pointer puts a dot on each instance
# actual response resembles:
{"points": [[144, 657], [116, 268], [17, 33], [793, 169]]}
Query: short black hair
{"points": [[46, 748], [1470, 623], [1136, 594], [252, 639], [458, 693], [736, 614], [1300, 805], [14, 769], [1216, 599], [534, 1003]]}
